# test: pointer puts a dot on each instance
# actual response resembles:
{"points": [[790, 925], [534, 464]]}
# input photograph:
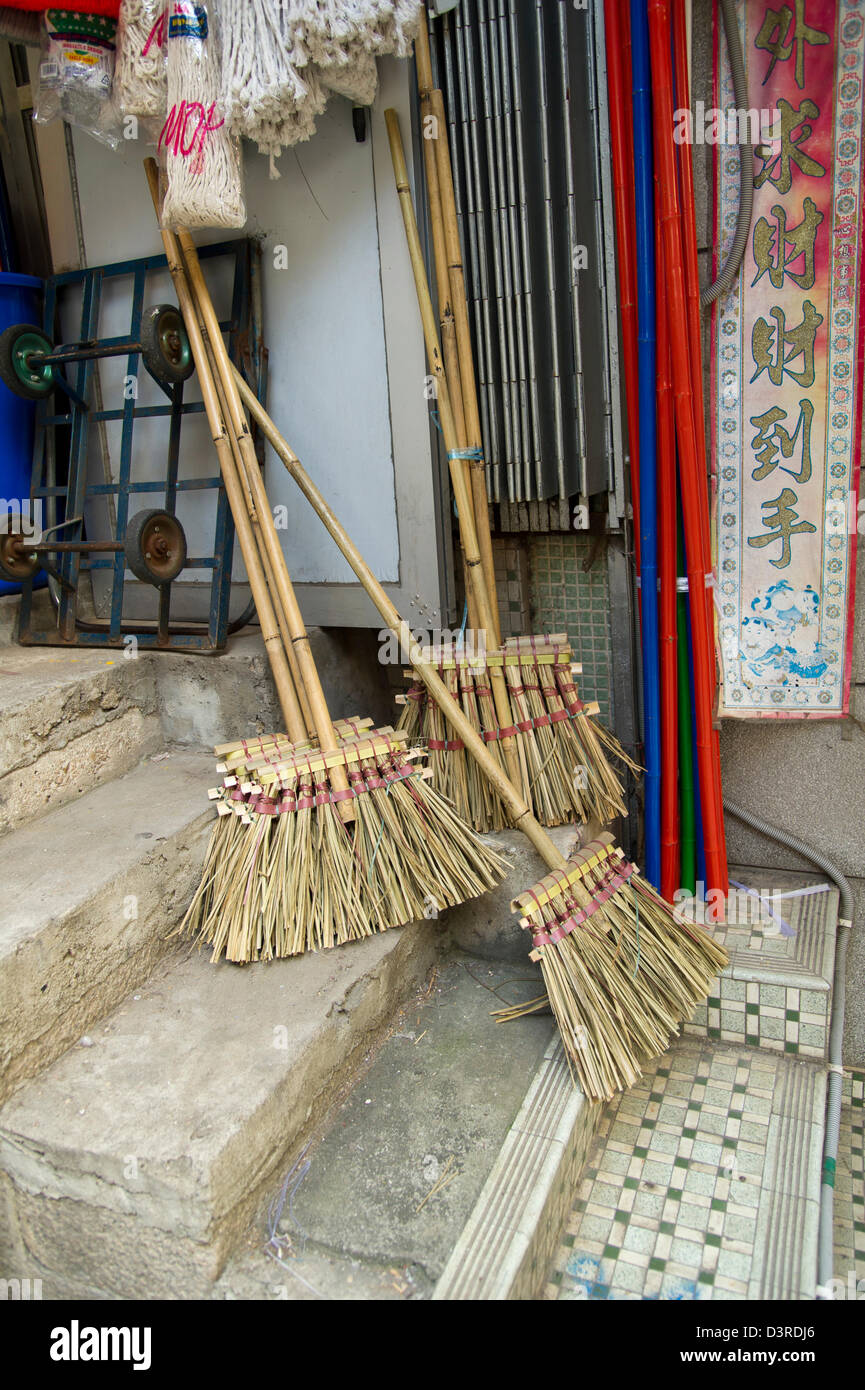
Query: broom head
{"points": [[567, 758], [622, 972], [284, 872]]}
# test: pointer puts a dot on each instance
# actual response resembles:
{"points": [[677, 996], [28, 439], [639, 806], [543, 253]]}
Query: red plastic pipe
{"points": [[692, 290], [667, 576], [693, 481], [617, 27]]}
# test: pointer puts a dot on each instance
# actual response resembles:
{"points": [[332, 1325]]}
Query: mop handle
{"points": [[521, 814], [291, 710]]}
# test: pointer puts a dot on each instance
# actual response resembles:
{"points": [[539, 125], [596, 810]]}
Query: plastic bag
{"points": [[140, 81], [75, 75], [201, 159]]}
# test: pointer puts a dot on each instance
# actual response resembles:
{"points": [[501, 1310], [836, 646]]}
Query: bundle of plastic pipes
{"points": [[659, 294]]}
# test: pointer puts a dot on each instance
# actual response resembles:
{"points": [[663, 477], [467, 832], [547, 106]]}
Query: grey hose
{"points": [[836, 1033], [746, 163]]}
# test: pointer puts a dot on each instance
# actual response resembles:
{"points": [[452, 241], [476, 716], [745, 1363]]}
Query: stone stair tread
{"points": [[159, 1135], [26, 673], [444, 1090], [53, 865]]}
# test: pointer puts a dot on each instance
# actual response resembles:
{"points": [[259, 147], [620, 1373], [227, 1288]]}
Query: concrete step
{"points": [[91, 894], [448, 1170], [74, 718], [70, 720], [134, 1166]]}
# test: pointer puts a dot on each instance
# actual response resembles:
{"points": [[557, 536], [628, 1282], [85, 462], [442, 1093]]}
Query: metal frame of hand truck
{"points": [[245, 346]]}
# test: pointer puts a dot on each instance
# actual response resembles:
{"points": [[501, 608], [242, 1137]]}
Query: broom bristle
{"points": [[622, 972], [566, 756], [284, 874]]}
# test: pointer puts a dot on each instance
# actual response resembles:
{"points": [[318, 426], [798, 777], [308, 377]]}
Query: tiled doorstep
{"points": [[849, 1263], [776, 992], [508, 1242], [703, 1183]]}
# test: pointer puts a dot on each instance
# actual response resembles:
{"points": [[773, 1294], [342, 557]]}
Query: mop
{"points": [[140, 82], [622, 973], [543, 735], [281, 61], [331, 842], [202, 159]]}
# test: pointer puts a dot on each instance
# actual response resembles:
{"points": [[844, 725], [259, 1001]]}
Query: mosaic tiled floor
{"points": [[702, 1183], [849, 1265]]}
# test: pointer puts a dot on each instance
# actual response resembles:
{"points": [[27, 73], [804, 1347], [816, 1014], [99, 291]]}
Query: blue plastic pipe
{"points": [[645, 220]]}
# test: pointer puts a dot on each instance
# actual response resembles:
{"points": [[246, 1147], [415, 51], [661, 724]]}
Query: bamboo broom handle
{"points": [[520, 813], [300, 639], [465, 506], [459, 306], [288, 701], [284, 633]]}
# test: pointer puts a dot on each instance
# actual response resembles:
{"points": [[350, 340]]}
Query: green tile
{"points": [[719, 1204], [631, 1183], [712, 1239], [657, 1264], [612, 1252]]}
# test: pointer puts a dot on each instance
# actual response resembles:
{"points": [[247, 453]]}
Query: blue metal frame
{"points": [[244, 345]]}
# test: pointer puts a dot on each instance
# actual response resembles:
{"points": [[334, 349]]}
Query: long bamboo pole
{"points": [[461, 379], [299, 637], [520, 812], [239, 463], [288, 699], [465, 506], [459, 302], [447, 328]]}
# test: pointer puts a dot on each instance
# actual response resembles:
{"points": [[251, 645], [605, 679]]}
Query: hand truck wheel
{"points": [[155, 546], [15, 565], [20, 368], [165, 349]]}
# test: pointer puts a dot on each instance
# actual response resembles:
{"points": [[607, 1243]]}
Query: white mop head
{"points": [[140, 80], [202, 158]]}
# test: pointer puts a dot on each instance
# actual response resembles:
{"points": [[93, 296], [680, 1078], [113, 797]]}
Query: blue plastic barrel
{"points": [[20, 302]]}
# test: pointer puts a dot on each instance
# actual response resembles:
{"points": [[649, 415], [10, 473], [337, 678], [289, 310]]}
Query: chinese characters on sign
{"points": [[786, 344]]}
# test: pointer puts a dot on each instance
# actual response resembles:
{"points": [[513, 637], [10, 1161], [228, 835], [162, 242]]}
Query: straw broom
{"points": [[552, 751], [337, 841], [622, 973]]}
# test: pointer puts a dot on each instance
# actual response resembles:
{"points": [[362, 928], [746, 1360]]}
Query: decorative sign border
{"points": [[787, 364]]}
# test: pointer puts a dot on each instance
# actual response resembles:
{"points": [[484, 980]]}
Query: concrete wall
{"points": [[806, 777]]}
